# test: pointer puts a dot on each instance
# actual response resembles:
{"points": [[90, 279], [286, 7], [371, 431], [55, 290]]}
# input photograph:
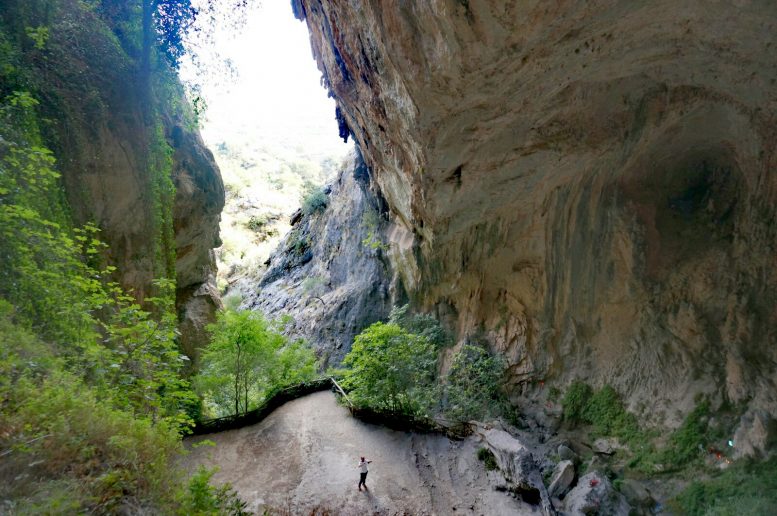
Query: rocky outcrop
{"points": [[330, 273], [104, 132], [590, 184], [199, 199]]}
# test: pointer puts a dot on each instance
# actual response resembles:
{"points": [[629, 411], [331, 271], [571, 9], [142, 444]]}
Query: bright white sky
{"points": [[277, 94]]}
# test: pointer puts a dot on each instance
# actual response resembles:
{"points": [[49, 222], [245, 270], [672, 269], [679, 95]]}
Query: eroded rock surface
{"points": [[590, 184], [330, 273]]}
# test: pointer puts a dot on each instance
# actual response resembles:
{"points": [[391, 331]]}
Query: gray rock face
{"points": [[562, 478], [566, 453], [755, 435], [330, 273], [637, 496], [591, 183], [595, 494]]}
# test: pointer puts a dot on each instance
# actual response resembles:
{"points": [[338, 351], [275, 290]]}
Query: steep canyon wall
{"points": [[131, 161], [588, 184]]}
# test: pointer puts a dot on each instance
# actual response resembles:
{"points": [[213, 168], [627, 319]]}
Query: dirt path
{"points": [[305, 454]]}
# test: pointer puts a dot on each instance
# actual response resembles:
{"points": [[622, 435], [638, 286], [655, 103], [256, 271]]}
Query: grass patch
{"points": [[488, 459], [604, 412]]}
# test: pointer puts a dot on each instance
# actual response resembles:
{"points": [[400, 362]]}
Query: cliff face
{"points": [[590, 184], [330, 273], [117, 158]]}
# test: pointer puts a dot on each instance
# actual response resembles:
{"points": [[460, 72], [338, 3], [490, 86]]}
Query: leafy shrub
{"points": [[391, 370], [687, 442], [206, 499], [257, 222], [488, 459], [745, 487], [605, 411], [420, 324], [298, 243], [314, 201], [473, 385], [575, 401]]}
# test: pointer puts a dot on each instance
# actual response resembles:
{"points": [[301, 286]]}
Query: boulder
{"points": [[566, 453], [517, 464], [595, 494], [562, 478]]}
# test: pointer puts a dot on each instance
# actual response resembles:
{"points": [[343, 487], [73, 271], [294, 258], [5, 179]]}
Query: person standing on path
{"points": [[363, 473]]}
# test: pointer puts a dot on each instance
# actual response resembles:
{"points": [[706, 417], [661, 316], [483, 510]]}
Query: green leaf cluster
{"points": [[474, 383], [247, 360], [745, 487], [391, 370], [314, 201]]}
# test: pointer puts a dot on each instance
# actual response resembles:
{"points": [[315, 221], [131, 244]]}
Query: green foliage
{"points": [[298, 243], [745, 487], [315, 201], [88, 453], [688, 442], [163, 199], [574, 402], [257, 223], [473, 385], [206, 499], [371, 222], [247, 361], [92, 403], [424, 325], [391, 370], [39, 35], [488, 459], [605, 411]]}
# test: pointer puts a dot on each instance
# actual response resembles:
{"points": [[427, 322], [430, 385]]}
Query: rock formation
{"points": [[330, 273], [590, 184], [102, 134]]}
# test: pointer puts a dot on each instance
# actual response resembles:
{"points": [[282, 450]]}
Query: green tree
{"points": [[391, 370], [247, 360]]}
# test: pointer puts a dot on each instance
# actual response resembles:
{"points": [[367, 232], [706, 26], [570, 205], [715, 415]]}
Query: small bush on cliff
{"points": [[488, 459], [314, 201]]}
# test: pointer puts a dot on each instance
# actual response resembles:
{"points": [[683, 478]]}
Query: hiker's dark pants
{"points": [[362, 479]]}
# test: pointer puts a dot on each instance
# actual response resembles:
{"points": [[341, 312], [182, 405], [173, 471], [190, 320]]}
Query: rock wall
{"points": [[99, 125], [590, 184], [330, 273]]}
